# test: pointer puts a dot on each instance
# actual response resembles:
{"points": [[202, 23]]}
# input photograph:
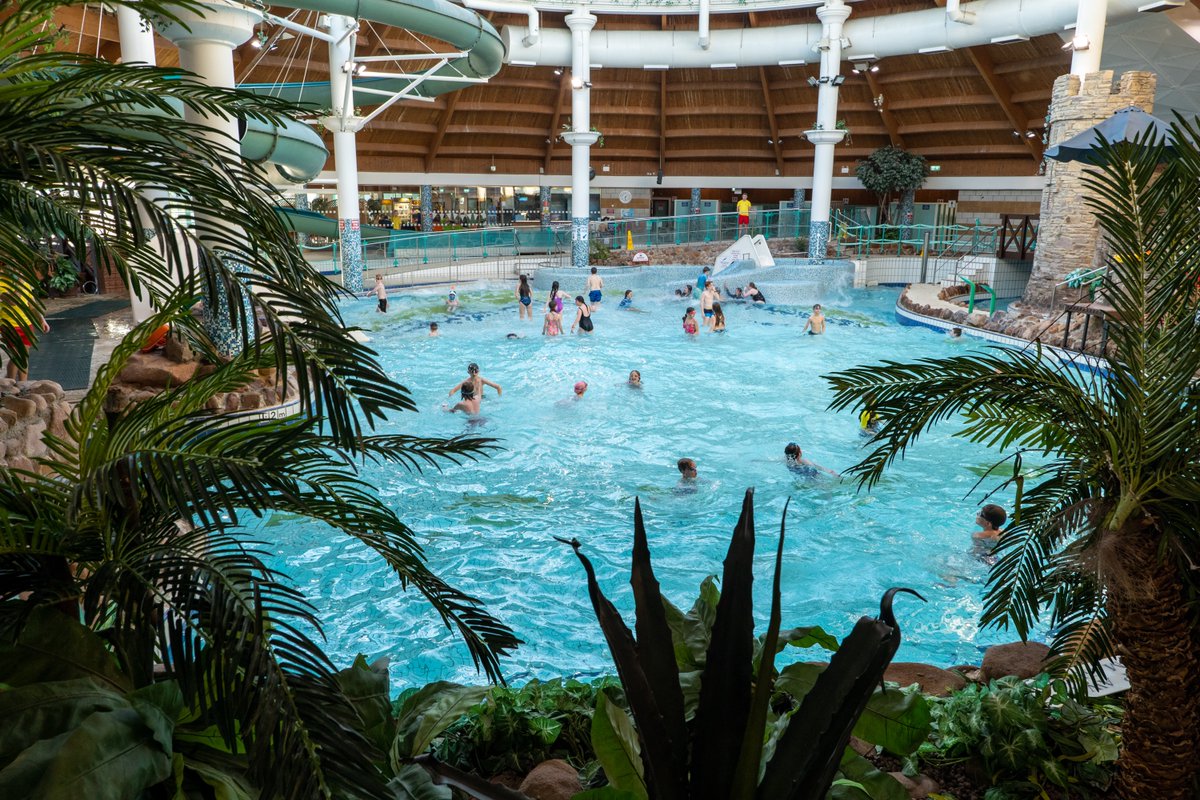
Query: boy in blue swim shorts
{"points": [[594, 285]]}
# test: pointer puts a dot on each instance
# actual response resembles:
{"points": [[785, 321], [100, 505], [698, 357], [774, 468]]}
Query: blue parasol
{"points": [[1129, 124]]}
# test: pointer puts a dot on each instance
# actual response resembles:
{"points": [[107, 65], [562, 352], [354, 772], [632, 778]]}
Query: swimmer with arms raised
{"points": [[471, 390]]}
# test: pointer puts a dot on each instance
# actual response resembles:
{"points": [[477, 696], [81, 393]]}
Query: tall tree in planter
{"points": [[889, 172], [1104, 546], [143, 637]]}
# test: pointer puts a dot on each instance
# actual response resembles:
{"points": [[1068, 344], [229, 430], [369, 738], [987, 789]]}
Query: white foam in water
{"points": [[790, 282]]}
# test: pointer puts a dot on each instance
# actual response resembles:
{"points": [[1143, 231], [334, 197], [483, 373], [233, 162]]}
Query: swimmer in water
{"points": [[816, 322], [627, 300], [868, 420], [687, 470], [718, 323], [594, 284], [753, 294], [471, 390], [581, 388], [801, 466], [433, 329], [583, 316], [955, 333], [690, 327], [452, 298], [991, 519], [552, 324], [524, 299], [635, 379]]}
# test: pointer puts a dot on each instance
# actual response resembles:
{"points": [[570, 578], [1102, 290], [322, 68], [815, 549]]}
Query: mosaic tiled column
{"points": [[350, 234], [426, 208], [818, 239], [226, 338], [695, 203], [544, 204], [907, 204], [695, 226], [579, 242], [300, 201], [798, 213]]}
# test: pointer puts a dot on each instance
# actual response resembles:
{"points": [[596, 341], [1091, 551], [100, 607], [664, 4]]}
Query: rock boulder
{"points": [[1022, 659], [932, 680], [552, 780]]}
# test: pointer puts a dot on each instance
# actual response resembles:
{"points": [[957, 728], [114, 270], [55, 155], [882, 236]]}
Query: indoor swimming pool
{"points": [[572, 468]]}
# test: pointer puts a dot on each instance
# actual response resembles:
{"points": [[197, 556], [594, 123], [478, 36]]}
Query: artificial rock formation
{"points": [[29, 410], [1068, 234]]}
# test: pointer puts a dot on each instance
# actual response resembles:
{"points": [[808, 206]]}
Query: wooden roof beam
{"points": [[1003, 95], [564, 91], [435, 144], [889, 119], [662, 115]]}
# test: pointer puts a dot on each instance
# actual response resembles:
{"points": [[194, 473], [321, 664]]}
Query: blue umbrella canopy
{"points": [[1129, 124]]}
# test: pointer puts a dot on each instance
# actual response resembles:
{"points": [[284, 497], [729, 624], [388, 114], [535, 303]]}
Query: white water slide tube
{"points": [[462, 28], [296, 150], [929, 31]]}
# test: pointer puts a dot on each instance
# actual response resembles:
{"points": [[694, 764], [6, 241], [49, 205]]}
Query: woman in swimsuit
{"points": [[552, 324], [525, 299], [690, 326], [472, 390], [583, 316], [718, 325], [556, 298]]}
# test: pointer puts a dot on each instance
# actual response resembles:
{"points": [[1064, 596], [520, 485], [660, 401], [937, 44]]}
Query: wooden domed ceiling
{"points": [[976, 111]]}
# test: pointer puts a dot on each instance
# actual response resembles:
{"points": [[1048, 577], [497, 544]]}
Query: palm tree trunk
{"points": [[1158, 643]]}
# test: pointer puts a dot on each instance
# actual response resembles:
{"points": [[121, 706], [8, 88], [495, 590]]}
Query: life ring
{"points": [[157, 339]]}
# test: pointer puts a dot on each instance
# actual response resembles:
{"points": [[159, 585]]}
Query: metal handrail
{"points": [[971, 297]]}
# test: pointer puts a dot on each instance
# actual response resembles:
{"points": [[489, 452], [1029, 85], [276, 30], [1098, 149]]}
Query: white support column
{"points": [[345, 123], [825, 135], [581, 137], [1087, 42], [137, 47], [206, 38]]}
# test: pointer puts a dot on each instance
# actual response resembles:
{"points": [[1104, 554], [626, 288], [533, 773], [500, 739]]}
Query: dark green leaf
{"points": [[428, 712], [615, 742], [53, 647]]}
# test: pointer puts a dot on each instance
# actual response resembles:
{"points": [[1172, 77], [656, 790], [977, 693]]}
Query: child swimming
{"points": [[690, 326], [452, 298], [524, 299]]}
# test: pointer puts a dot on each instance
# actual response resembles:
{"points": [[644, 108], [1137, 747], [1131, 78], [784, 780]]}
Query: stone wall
{"points": [[28, 411], [1068, 235]]}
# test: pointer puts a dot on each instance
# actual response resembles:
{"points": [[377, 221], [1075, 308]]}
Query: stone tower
{"points": [[1068, 234]]}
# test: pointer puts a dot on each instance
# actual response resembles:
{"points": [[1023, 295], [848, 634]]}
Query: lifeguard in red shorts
{"points": [[743, 209]]}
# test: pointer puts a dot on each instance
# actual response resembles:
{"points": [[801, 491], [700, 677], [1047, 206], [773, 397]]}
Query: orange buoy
{"points": [[157, 339]]}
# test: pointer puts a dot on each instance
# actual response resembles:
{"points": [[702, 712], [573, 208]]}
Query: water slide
{"points": [[296, 150], [316, 224], [463, 29]]}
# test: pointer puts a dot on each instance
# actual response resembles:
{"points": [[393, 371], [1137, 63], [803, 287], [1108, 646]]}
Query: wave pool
{"points": [[573, 468]]}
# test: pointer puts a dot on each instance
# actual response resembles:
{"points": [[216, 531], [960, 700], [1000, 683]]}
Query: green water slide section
{"points": [[294, 149], [315, 224], [463, 29]]}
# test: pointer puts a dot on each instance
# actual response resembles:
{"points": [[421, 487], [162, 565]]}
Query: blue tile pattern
{"points": [[579, 242], [427, 208], [352, 257], [300, 202], [225, 338], [818, 239]]}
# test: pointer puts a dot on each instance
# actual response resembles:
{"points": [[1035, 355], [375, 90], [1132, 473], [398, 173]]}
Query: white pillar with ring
{"points": [[825, 134], [581, 137], [344, 124], [206, 37]]}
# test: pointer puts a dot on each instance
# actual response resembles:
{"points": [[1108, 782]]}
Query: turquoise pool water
{"points": [[573, 468]]}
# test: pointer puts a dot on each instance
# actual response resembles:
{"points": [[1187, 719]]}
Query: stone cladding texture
{"points": [[1068, 234]]}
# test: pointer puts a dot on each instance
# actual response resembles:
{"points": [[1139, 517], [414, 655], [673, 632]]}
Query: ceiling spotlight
{"points": [[557, 71], [1030, 135], [878, 101], [837, 80], [813, 82], [361, 69], [770, 141]]}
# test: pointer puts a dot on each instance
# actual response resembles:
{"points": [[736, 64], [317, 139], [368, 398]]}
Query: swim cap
{"points": [[580, 386]]}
